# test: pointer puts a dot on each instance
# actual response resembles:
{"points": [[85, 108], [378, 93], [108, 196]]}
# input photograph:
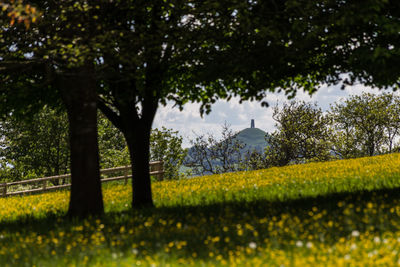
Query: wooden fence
{"points": [[156, 169]]}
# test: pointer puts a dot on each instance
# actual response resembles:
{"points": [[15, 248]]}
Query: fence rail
{"points": [[156, 169]]}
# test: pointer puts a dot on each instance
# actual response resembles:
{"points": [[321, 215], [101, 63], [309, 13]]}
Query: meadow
{"points": [[339, 213]]}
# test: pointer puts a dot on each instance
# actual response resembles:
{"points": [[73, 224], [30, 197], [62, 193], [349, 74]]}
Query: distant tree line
{"points": [[38, 146], [361, 125]]}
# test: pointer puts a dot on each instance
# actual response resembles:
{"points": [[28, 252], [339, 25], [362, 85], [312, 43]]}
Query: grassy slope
{"points": [[334, 213]]}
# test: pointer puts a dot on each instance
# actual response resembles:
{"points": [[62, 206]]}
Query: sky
{"points": [[189, 122]]}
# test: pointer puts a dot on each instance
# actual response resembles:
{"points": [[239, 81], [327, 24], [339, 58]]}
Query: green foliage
{"points": [[365, 125], [302, 135], [112, 145], [253, 160], [366, 37], [36, 147], [166, 145], [362, 125], [39, 147]]}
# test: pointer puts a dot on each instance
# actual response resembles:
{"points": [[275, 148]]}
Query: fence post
{"points": [[4, 193], [160, 168], [126, 174], [154, 168], [44, 185]]}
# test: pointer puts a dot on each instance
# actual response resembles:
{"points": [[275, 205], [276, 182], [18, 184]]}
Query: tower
{"points": [[252, 124]]}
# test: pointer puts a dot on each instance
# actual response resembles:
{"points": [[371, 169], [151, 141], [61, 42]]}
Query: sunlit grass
{"points": [[335, 213]]}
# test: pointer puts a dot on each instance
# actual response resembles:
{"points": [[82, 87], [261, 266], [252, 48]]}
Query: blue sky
{"points": [[238, 115]]}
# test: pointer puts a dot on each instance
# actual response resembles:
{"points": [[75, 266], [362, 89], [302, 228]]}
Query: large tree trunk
{"points": [[79, 96], [137, 135], [138, 140]]}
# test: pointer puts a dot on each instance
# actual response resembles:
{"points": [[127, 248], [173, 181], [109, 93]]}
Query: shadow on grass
{"points": [[184, 230]]}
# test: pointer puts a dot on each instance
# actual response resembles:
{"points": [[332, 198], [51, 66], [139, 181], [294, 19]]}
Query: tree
{"points": [[209, 155], [364, 124], [200, 51], [392, 125], [35, 148], [54, 60], [166, 145], [38, 146], [254, 160], [302, 135]]}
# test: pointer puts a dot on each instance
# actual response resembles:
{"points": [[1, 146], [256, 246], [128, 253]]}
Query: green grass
{"points": [[325, 214]]}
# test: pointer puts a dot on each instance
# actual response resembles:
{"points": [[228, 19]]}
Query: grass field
{"points": [[341, 213]]}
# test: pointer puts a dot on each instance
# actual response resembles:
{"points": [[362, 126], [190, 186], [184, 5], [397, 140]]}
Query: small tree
{"points": [[392, 125], [365, 125], [210, 155], [302, 135], [253, 160], [34, 148], [166, 145]]}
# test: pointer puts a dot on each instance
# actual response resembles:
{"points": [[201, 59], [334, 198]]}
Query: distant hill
{"points": [[254, 138]]}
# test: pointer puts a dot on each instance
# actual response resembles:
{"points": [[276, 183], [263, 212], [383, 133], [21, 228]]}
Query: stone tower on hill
{"points": [[252, 124]]}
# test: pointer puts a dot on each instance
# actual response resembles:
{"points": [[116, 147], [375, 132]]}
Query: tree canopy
{"points": [[365, 125], [302, 135]]}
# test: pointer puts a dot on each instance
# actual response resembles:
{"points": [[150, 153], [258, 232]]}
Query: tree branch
{"points": [[109, 113], [19, 65]]}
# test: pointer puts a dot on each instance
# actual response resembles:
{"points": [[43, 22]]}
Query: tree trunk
{"points": [[138, 140], [79, 96], [136, 131], [371, 146]]}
